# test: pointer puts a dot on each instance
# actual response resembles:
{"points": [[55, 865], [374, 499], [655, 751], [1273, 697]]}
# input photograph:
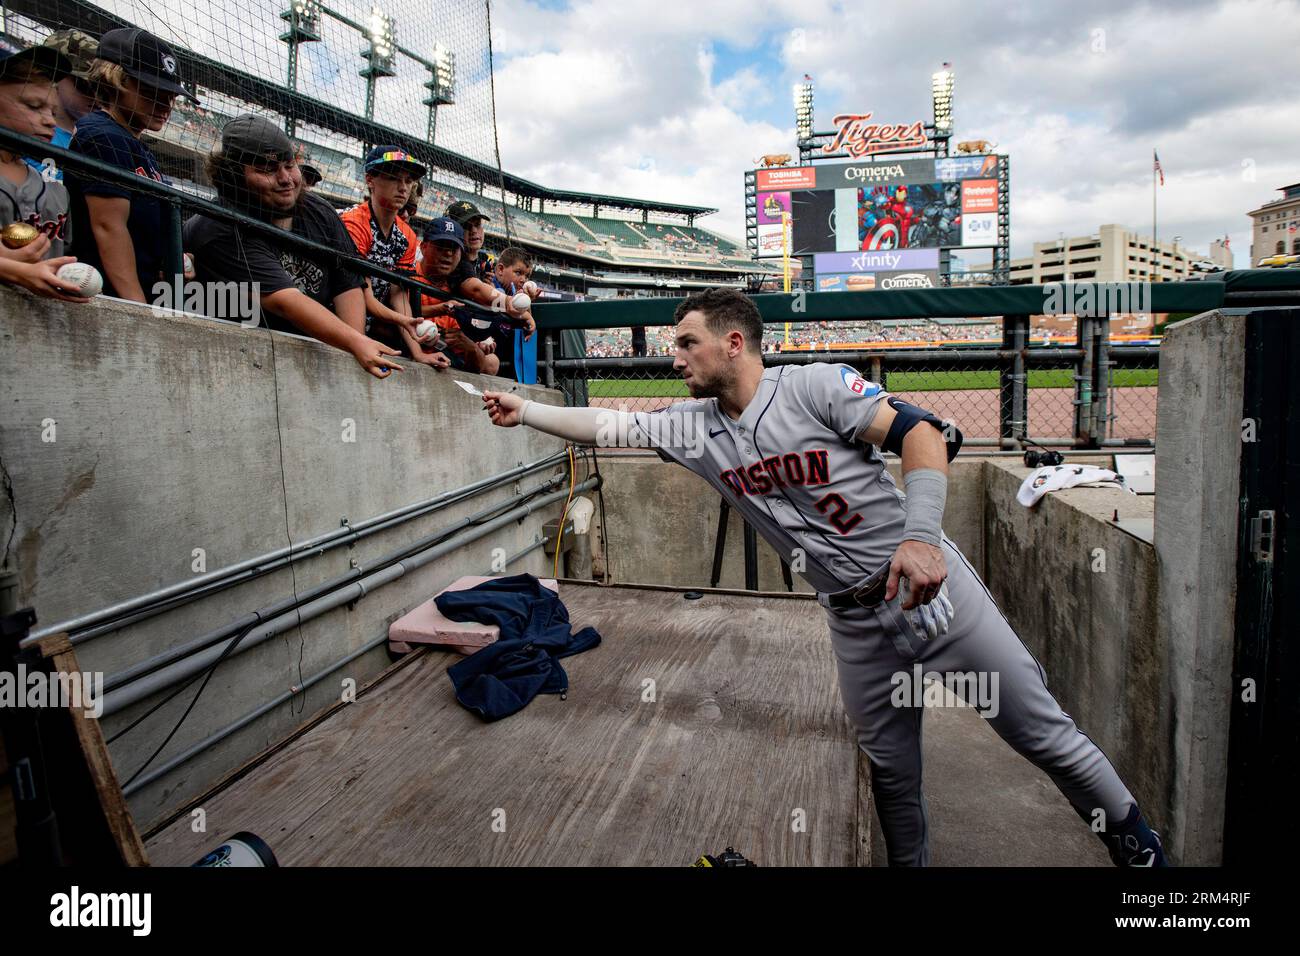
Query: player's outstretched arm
{"points": [[606, 427]]}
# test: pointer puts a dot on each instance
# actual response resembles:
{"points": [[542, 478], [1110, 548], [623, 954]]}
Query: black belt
{"points": [[869, 593]]}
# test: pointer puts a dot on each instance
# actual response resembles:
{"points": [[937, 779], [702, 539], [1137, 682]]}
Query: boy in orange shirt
{"points": [[384, 238]]}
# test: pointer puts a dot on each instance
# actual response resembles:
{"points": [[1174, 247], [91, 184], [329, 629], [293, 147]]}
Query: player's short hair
{"points": [[726, 310], [513, 255]]}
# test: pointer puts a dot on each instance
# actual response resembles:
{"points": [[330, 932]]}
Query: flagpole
{"points": [[1154, 272]]}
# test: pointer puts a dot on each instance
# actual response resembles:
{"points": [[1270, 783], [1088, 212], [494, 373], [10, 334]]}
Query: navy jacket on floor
{"points": [[535, 632]]}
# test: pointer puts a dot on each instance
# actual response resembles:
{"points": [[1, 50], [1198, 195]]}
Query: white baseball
{"points": [[521, 302], [424, 328], [531, 288], [84, 276]]}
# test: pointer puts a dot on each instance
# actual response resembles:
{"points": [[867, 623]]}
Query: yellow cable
{"points": [[559, 536]]}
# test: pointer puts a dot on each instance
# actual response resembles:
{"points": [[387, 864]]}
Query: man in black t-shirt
{"points": [[255, 172]]}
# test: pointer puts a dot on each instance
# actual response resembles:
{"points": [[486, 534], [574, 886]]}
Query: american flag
{"points": [[1227, 241], [1158, 167]]}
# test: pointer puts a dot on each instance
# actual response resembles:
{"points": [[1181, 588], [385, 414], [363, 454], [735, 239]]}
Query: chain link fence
{"points": [[995, 379]]}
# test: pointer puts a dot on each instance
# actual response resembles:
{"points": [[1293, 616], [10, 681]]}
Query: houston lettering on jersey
{"points": [[779, 471], [793, 470]]}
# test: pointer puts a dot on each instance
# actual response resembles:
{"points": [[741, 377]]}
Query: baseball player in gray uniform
{"points": [[797, 449]]}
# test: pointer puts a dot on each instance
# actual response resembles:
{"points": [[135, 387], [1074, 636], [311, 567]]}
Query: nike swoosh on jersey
{"points": [[720, 431]]}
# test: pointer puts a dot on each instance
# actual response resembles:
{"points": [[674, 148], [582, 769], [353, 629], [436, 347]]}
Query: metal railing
{"points": [[1007, 390], [175, 200]]}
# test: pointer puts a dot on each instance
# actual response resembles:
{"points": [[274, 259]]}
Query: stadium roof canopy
{"points": [[523, 187], [223, 78]]}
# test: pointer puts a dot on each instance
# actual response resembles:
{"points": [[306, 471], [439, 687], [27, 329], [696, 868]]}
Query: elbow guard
{"points": [[907, 417]]}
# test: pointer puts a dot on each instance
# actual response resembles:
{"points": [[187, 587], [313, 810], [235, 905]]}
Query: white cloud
{"points": [[1077, 96]]}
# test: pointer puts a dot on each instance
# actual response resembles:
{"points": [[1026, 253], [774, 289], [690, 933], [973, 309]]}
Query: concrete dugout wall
{"points": [[132, 440]]}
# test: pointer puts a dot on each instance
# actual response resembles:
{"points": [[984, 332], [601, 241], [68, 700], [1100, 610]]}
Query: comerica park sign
{"points": [[858, 136]]}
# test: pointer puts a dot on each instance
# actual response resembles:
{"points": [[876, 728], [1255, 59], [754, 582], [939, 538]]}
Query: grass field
{"points": [[894, 381]]}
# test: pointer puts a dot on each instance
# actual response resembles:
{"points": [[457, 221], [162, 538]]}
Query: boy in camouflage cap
{"points": [[73, 97]]}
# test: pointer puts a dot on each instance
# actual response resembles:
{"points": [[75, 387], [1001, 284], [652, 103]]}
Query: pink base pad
{"points": [[426, 625]]}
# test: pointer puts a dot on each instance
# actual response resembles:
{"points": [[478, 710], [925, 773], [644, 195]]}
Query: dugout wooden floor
{"points": [[744, 744]]}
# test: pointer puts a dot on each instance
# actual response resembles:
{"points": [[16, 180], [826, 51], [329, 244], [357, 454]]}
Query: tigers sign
{"points": [[858, 136]]}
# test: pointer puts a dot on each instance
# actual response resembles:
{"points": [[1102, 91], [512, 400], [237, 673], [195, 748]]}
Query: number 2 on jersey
{"points": [[835, 507]]}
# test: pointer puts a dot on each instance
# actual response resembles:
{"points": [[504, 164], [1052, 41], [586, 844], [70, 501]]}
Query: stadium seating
{"points": [[615, 229]]}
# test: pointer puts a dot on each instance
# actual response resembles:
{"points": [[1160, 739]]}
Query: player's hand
{"points": [[487, 346], [923, 566], [503, 408], [374, 357], [33, 252]]}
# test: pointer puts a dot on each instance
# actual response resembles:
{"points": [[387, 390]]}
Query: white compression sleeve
{"points": [[586, 426]]}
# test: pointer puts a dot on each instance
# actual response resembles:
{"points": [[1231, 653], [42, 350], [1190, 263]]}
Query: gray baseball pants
{"points": [[873, 646]]}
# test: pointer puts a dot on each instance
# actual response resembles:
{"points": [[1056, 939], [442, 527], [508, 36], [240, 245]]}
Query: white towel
{"points": [[1056, 477]]}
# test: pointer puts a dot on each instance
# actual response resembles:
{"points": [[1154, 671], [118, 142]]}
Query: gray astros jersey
{"points": [[793, 467]]}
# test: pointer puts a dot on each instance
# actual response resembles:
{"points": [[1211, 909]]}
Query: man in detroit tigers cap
{"points": [[797, 450], [445, 229]]}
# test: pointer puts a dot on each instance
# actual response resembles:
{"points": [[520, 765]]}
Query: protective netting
{"points": [[337, 77]]}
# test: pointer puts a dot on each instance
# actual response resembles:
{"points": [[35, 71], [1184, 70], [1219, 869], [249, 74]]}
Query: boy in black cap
{"points": [[255, 172], [471, 220], [135, 79], [30, 192]]}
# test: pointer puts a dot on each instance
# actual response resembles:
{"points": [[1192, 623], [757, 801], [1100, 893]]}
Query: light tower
{"points": [[803, 116], [941, 87], [381, 54], [303, 17], [441, 85]]}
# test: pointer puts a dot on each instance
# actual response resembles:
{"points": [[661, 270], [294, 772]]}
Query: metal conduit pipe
{"points": [[217, 736], [165, 677], [348, 539], [158, 661], [291, 552]]}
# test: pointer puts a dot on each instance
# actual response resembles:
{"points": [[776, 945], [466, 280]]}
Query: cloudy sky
{"points": [[674, 100]]}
